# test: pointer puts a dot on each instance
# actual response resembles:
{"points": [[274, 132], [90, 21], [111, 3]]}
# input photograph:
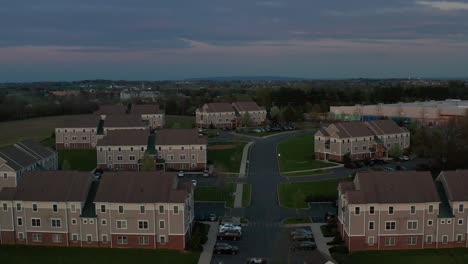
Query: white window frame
{"points": [[459, 236], [34, 207], [460, 221], [357, 210], [427, 239], [35, 220], [74, 237], [57, 221], [369, 225], [74, 221], [18, 219], [163, 209], [371, 241], [390, 222], [36, 237], [410, 223], [176, 208], [430, 222], [163, 223], [390, 239], [411, 209], [412, 241], [123, 224], [118, 209], [54, 236], [371, 212], [122, 240], [143, 240], [162, 238], [144, 209], [445, 237], [104, 238], [20, 236], [142, 226], [103, 222], [393, 210]]}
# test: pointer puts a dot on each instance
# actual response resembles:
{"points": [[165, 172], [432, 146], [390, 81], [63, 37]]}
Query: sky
{"points": [[167, 40]]}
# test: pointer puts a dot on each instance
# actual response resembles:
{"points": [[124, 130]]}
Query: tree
{"points": [[66, 165], [288, 114], [147, 163], [274, 113], [347, 157], [246, 120], [395, 151]]}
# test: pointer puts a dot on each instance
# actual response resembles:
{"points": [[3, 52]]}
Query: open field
{"points": [[177, 121], [298, 154], [216, 194], [246, 192], [426, 256], [63, 255], [81, 160], [228, 157], [293, 195]]}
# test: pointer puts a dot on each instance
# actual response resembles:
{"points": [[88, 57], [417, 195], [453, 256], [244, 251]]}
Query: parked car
{"points": [[304, 245], [225, 248], [213, 217], [206, 173], [389, 169], [350, 166], [223, 228], [303, 237], [229, 235], [380, 161], [404, 158], [301, 231], [180, 174], [256, 261], [359, 164], [400, 168], [194, 183]]}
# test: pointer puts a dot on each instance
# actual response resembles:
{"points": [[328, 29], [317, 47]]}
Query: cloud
{"points": [[269, 3], [445, 5]]}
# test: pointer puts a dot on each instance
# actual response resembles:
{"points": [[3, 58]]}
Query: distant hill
{"points": [[246, 78]]}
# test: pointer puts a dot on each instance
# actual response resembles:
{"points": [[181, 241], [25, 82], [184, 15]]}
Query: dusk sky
{"points": [[156, 40]]}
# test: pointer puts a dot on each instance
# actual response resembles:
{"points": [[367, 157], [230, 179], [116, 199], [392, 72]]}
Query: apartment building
{"points": [[122, 149], [181, 149], [146, 112], [22, 157], [81, 133], [256, 113], [403, 210], [362, 140], [216, 115], [122, 210]]}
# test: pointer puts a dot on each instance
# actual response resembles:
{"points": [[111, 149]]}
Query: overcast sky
{"points": [[177, 39]]}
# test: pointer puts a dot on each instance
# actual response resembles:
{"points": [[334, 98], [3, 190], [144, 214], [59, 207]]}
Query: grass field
{"points": [[62, 255], [177, 121], [216, 194], [298, 154], [246, 194], [426, 256], [297, 220], [36, 129], [227, 160], [293, 195], [82, 160]]}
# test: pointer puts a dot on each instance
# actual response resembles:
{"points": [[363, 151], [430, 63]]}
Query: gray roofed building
{"points": [[17, 158], [247, 106], [384, 127], [219, 107], [352, 129], [145, 109], [125, 137], [54, 186], [127, 120], [179, 137], [35, 148], [80, 121], [456, 184]]}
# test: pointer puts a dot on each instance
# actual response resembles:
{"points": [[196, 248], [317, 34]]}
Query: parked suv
{"points": [[225, 248], [229, 235]]}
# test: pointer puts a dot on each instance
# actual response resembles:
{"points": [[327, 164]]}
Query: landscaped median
{"points": [[246, 192], [81, 160], [216, 194], [297, 154], [297, 194], [226, 156], [47, 255]]}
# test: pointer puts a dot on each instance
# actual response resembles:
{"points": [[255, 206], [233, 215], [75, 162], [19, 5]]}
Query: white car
{"points": [[180, 174], [194, 183], [223, 228]]}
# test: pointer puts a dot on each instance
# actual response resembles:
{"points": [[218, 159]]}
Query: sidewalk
{"points": [[320, 240], [318, 169], [207, 253], [242, 173]]}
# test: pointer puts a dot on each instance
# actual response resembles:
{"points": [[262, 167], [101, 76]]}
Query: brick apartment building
{"points": [[362, 140], [122, 210], [147, 112], [226, 115], [403, 210]]}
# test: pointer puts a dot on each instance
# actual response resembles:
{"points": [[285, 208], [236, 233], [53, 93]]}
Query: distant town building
{"points": [[226, 115], [361, 140], [429, 112], [146, 94], [403, 210], [64, 93]]}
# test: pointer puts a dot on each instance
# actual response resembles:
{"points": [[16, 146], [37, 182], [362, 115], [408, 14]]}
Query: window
{"points": [[364, 147], [357, 210], [73, 221], [161, 209], [36, 222], [182, 157], [132, 157], [85, 221], [162, 239], [162, 224], [412, 240], [412, 225], [34, 207], [143, 240], [370, 241], [83, 138], [176, 209], [103, 208], [412, 209], [56, 223], [91, 221], [36, 237], [142, 148], [103, 222], [431, 209], [56, 238], [110, 157], [444, 239], [142, 209], [389, 241], [5, 176], [121, 210], [193, 156], [55, 208], [89, 238], [104, 238], [459, 238], [21, 236], [75, 237], [430, 222], [460, 221], [120, 149], [5, 207], [442, 221], [371, 225], [73, 208], [371, 210], [143, 225], [119, 157], [18, 207], [131, 149], [460, 208], [170, 157], [19, 221], [121, 224], [390, 225], [170, 148], [429, 239], [390, 210], [122, 240]]}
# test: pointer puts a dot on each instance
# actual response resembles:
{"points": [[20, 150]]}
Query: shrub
{"points": [[199, 237]]}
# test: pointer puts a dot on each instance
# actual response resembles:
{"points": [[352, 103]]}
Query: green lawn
{"points": [[216, 194], [62, 255], [297, 220], [82, 160], [298, 154], [178, 121], [227, 160], [305, 173], [246, 191], [293, 195], [426, 256]]}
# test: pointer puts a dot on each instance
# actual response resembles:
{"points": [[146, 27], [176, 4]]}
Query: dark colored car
{"points": [[305, 245], [225, 248], [350, 166], [303, 237], [359, 164], [380, 162], [229, 235]]}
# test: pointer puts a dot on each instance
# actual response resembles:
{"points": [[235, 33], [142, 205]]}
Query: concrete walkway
{"points": [[320, 240], [242, 173], [319, 169], [207, 253]]}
